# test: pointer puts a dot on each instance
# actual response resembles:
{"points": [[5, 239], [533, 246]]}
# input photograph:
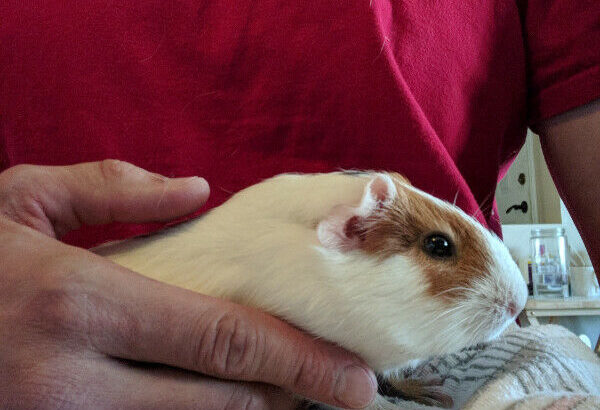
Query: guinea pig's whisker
{"points": [[455, 332], [461, 288], [447, 312], [426, 325], [483, 210], [457, 324], [452, 332], [476, 330], [482, 205], [437, 318]]}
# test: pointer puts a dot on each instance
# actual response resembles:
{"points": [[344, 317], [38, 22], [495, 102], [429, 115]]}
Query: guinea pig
{"points": [[362, 259]]}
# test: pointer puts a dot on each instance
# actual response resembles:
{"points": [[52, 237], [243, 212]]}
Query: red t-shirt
{"points": [[240, 90]]}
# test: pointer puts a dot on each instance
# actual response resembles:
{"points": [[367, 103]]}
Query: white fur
{"points": [[261, 248]]}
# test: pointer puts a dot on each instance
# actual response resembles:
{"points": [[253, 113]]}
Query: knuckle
{"points": [[21, 172], [229, 347], [244, 399], [310, 374], [22, 192], [56, 310], [18, 183], [59, 306], [114, 169]]}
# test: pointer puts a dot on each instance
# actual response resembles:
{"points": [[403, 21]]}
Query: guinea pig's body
{"points": [[364, 260]]}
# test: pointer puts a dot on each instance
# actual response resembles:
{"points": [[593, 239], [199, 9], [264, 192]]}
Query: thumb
{"points": [[56, 200]]}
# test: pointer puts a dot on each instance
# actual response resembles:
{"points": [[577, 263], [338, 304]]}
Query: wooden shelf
{"points": [[545, 307], [575, 302]]}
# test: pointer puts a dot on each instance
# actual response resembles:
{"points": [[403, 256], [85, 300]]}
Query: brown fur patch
{"points": [[402, 227]]}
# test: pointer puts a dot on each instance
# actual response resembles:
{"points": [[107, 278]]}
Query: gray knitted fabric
{"points": [[539, 367]]}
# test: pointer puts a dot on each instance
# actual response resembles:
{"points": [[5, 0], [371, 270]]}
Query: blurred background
{"points": [[527, 199]]}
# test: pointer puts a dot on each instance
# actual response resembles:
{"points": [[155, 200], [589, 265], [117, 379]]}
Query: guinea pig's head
{"points": [[419, 275]]}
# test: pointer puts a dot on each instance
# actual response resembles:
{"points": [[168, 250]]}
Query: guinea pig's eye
{"points": [[438, 246]]}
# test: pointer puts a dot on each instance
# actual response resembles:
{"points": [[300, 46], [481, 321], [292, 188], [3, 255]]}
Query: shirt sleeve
{"points": [[562, 42]]}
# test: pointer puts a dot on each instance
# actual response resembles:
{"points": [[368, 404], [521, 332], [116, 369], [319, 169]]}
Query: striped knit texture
{"points": [[539, 367]]}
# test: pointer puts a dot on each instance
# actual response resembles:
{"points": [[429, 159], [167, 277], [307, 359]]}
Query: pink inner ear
{"points": [[354, 228], [341, 229], [380, 190]]}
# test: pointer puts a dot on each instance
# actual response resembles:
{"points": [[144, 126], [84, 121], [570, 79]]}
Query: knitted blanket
{"points": [[539, 367]]}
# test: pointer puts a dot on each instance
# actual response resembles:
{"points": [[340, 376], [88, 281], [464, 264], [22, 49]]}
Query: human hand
{"points": [[78, 331]]}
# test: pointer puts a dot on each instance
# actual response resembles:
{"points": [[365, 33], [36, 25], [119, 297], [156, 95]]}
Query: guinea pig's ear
{"points": [[345, 227], [400, 178]]}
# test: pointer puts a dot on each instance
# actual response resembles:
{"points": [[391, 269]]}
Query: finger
{"points": [[113, 190], [159, 323], [55, 200], [80, 381], [153, 387]]}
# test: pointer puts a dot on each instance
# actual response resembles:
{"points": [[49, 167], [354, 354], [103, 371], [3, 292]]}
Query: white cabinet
{"points": [[528, 181]]}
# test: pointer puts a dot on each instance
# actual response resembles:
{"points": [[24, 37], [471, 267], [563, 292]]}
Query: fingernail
{"points": [[197, 180], [356, 388]]}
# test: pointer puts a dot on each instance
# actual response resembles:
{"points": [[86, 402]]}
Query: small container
{"points": [[584, 282], [549, 263], [530, 279]]}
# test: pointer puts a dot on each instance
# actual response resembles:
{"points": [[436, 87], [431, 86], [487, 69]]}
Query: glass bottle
{"points": [[549, 263]]}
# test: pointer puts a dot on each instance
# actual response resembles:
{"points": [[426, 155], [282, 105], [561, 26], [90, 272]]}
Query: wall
{"points": [[548, 201], [575, 242]]}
